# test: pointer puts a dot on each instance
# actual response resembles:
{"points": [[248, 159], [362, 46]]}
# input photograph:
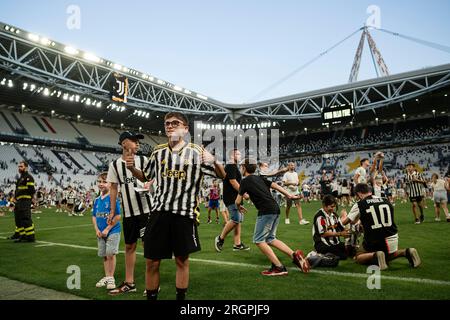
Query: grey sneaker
{"points": [[218, 243], [413, 257]]}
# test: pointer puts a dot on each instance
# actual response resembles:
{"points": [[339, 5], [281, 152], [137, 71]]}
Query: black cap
{"points": [[130, 135]]}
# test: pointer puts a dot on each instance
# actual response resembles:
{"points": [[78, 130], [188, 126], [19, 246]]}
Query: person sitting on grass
{"points": [[328, 228], [108, 235], [258, 189]]}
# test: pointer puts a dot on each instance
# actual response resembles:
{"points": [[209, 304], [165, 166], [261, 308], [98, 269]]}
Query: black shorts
{"points": [[373, 247], [170, 234], [416, 199], [134, 228], [64, 201], [337, 249]]}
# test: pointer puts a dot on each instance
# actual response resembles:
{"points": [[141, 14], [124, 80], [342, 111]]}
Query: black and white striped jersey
{"points": [[323, 223], [177, 177], [135, 201], [414, 189]]}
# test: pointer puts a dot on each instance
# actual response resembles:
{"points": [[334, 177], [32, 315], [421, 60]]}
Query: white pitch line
{"points": [[248, 265], [44, 245], [56, 228]]}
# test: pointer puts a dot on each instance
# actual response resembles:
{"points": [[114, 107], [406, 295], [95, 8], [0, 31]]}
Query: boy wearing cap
{"points": [[135, 203]]}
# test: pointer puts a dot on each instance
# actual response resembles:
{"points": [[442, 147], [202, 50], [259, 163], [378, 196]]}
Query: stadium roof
{"points": [[73, 82]]}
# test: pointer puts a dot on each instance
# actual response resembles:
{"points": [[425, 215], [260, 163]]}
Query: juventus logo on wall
{"points": [[119, 90]]}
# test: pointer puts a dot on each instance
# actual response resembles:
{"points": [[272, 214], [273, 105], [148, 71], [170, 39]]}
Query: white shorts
{"points": [[439, 196], [392, 243], [222, 206]]}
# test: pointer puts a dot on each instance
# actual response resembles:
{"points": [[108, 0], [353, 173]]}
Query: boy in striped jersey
{"points": [[177, 169], [414, 185], [135, 202]]}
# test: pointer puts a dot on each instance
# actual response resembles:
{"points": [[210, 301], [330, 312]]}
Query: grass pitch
{"points": [[65, 241]]}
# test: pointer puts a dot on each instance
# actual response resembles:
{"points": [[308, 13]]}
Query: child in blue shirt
{"points": [[108, 235]]}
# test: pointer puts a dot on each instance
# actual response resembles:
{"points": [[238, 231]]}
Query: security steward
{"points": [[22, 211]]}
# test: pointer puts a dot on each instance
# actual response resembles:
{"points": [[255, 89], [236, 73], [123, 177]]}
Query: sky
{"points": [[232, 50]]}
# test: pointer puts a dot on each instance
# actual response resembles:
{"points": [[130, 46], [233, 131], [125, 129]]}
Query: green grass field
{"points": [[231, 275]]}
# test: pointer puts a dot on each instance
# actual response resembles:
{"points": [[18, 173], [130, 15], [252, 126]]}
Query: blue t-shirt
{"points": [[101, 210]]}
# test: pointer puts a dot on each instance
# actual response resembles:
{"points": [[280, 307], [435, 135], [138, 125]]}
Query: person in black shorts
{"points": [[178, 168]]}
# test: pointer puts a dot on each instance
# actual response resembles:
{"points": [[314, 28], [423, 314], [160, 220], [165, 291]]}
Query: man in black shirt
{"points": [[230, 191], [380, 232], [258, 189]]}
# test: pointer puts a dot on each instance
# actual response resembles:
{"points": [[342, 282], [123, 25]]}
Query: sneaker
{"points": [[437, 219], [24, 239], [102, 282], [14, 236], [422, 218], [218, 243], [125, 287], [448, 219], [303, 222], [145, 292], [313, 258], [275, 271], [110, 283], [287, 221], [300, 261], [417, 221], [209, 221], [241, 247], [413, 257], [381, 260]]}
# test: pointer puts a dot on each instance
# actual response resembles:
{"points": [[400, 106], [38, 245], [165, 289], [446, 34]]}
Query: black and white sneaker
{"points": [[413, 257], [125, 287], [218, 243], [241, 247], [145, 292]]}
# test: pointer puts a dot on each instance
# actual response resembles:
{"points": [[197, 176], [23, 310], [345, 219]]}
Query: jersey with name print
{"points": [[377, 217]]}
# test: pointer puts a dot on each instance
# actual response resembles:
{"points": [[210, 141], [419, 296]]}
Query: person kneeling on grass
{"points": [[258, 188], [380, 244], [108, 235]]}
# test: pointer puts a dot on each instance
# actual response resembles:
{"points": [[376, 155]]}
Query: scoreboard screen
{"points": [[338, 114]]}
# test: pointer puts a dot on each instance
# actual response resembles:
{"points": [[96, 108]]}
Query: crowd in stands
{"points": [[333, 143]]}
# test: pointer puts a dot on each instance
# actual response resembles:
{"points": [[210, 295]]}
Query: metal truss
{"points": [[56, 68], [365, 95]]}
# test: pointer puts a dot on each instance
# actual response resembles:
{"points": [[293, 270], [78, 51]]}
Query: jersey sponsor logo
{"points": [[177, 174], [130, 180]]}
